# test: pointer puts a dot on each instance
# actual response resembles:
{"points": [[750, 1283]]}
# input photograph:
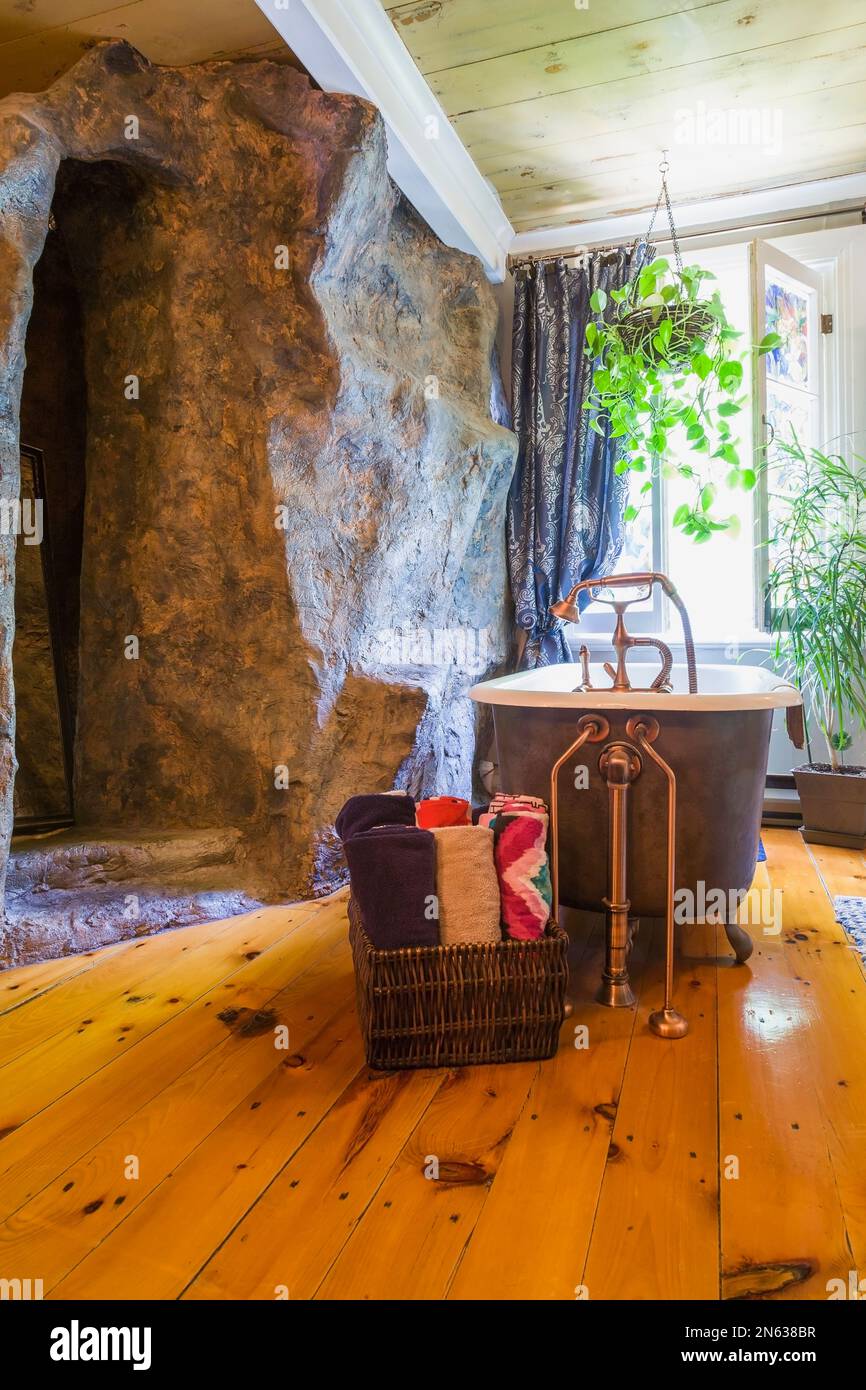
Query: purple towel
{"points": [[366, 812], [393, 874]]}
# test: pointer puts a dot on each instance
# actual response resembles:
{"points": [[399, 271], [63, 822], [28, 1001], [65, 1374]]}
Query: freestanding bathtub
{"points": [[716, 741]]}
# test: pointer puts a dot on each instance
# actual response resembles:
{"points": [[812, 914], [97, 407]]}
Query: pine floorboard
{"points": [[190, 1116]]}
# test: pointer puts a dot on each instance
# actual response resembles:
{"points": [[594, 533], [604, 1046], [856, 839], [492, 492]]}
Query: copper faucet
{"points": [[623, 641]]}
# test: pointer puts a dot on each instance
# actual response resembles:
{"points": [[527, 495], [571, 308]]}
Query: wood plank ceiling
{"points": [[565, 109], [39, 39]]}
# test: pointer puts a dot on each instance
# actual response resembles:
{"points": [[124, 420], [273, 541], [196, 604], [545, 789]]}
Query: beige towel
{"points": [[467, 885]]}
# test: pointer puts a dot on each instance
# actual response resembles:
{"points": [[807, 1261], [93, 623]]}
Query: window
{"points": [[722, 583], [787, 387]]}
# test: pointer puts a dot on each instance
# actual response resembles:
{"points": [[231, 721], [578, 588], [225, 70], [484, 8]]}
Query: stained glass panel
{"points": [[787, 313]]}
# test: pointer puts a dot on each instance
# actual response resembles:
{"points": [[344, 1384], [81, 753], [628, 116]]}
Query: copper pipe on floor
{"points": [[620, 765], [665, 1022], [592, 729]]}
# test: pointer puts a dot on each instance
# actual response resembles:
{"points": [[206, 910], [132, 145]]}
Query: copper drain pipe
{"points": [[620, 766], [665, 1022], [592, 728]]}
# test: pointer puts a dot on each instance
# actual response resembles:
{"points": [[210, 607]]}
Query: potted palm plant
{"points": [[816, 591]]}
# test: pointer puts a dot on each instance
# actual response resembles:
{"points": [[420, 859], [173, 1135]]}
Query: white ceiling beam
{"points": [[352, 46], [823, 196]]}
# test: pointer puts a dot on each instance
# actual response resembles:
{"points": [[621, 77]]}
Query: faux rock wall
{"points": [[295, 489]]}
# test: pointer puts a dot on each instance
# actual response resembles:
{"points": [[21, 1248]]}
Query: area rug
{"points": [[851, 913]]}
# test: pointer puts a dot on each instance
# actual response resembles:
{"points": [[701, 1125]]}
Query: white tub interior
{"points": [[719, 688]]}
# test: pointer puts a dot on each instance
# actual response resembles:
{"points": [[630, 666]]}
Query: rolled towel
{"points": [[528, 805], [467, 885], [442, 810], [366, 812], [393, 876], [507, 801], [519, 841]]}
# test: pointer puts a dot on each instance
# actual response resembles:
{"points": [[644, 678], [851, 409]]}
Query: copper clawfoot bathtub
{"points": [[714, 739]]}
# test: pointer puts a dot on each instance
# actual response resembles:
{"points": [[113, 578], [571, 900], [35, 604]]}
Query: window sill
{"points": [[761, 642]]}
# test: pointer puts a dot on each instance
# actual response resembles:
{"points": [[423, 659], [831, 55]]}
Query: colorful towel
{"points": [[467, 885], [530, 805], [503, 800], [367, 812], [520, 854], [442, 810], [393, 875]]}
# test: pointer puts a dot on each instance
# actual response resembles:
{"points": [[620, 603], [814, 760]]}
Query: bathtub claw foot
{"points": [[668, 1023], [740, 941]]}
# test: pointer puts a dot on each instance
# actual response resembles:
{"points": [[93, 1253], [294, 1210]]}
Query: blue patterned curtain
{"points": [[566, 504]]}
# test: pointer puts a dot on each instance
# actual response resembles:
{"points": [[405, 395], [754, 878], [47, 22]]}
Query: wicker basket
{"points": [[455, 1006]]}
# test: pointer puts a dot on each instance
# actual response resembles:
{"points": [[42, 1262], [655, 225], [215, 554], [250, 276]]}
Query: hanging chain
{"points": [[663, 170], [649, 230], [663, 193]]}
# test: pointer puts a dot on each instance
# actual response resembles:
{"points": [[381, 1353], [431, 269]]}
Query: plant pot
{"points": [[688, 321], [833, 805]]}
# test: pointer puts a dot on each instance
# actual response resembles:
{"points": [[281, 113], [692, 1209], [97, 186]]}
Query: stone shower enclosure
{"points": [[294, 483]]}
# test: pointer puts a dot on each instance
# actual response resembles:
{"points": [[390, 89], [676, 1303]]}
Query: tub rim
{"points": [[506, 690]]}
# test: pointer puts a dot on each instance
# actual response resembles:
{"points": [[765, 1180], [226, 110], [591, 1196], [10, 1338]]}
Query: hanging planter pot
{"points": [[666, 374], [690, 324]]}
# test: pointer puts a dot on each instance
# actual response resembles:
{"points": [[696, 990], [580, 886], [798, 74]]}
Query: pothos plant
{"points": [[665, 370]]}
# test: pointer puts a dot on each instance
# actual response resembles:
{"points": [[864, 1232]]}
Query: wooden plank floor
{"points": [[190, 1116]]}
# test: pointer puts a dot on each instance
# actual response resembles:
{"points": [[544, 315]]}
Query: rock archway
{"points": [[295, 489]]}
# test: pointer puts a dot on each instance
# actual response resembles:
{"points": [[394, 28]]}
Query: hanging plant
{"points": [[666, 372]]}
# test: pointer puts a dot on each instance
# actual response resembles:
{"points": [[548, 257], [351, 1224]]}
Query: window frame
{"points": [[764, 255], [830, 270], [597, 621]]}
